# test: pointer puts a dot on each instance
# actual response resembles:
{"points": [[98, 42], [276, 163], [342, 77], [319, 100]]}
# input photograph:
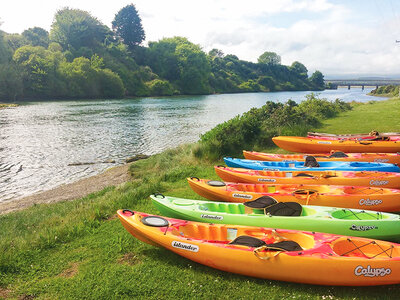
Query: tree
{"points": [[216, 53], [299, 69], [15, 41], [10, 82], [318, 79], [269, 58], [127, 25], [182, 63], [38, 69], [75, 28], [36, 36], [5, 53]]}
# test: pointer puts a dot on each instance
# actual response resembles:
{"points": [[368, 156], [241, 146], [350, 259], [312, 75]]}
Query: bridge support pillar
{"points": [[377, 86], [348, 87], [362, 87]]}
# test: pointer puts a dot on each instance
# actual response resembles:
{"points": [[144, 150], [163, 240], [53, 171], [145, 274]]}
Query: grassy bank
{"points": [[78, 249], [382, 116]]}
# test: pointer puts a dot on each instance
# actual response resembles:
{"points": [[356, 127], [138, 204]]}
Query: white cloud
{"points": [[333, 38]]}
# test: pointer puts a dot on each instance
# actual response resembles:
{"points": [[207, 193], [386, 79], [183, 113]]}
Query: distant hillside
{"points": [[82, 58]]}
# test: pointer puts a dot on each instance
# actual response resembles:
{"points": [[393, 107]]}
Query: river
{"points": [[40, 140]]}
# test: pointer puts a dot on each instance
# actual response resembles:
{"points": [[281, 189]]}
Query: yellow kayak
{"points": [[277, 254]]}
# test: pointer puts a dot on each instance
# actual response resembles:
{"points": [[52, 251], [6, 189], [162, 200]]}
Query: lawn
{"points": [[79, 249]]}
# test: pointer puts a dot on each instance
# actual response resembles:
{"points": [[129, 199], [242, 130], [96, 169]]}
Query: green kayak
{"points": [[267, 212]]}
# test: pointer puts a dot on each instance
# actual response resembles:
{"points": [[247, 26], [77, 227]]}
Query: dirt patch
{"points": [[26, 297], [129, 259], [81, 188], [113, 217], [71, 271], [4, 293]]}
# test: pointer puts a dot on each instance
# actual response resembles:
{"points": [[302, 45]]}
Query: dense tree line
{"points": [[82, 58]]}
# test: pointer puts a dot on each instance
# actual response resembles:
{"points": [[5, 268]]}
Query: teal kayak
{"points": [[266, 212]]}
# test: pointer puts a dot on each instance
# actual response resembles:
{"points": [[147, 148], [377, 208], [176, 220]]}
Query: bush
{"points": [[255, 128], [386, 90], [159, 87]]}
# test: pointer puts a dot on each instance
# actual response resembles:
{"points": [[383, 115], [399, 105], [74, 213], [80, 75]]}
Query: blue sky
{"points": [[352, 38]]}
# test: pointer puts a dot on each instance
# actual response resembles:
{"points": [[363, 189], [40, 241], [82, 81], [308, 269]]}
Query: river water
{"points": [[40, 140]]}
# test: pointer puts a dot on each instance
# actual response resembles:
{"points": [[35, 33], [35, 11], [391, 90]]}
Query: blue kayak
{"points": [[300, 166]]}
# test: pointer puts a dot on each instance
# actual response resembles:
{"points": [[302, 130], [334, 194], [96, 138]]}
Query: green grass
{"points": [[383, 116], [78, 249]]}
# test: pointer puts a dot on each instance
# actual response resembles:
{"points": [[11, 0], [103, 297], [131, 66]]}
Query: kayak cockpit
{"points": [[371, 249]]}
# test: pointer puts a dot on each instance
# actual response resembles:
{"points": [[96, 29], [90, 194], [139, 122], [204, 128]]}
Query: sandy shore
{"points": [[111, 177]]}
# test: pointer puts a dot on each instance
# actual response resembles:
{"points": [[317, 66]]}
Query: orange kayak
{"points": [[364, 178], [315, 145], [277, 254], [373, 135], [391, 158], [379, 199]]}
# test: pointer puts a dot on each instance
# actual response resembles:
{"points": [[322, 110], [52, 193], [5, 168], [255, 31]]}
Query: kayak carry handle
{"points": [[124, 211], [197, 178], [158, 194], [365, 143]]}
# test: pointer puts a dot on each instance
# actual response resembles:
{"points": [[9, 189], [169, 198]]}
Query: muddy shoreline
{"points": [[75, 190]]}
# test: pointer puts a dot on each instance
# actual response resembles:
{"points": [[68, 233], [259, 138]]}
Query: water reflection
{"points": [[38, 140]]}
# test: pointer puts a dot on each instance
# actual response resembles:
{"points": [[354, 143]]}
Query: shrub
{"points": [[255, 128], [160, 87]]}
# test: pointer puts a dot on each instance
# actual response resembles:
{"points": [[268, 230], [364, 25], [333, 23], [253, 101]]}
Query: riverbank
{"points": [[78, 249], [75, 190], [7, 105]]}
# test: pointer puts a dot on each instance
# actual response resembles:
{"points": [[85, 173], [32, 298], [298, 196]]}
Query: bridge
{"points": [[361, 82]]}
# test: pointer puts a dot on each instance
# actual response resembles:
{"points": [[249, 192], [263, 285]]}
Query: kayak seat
{"points": [[285, 209], [249, 241], [303, 175], [261, 203], [275, 208], [311, 162], [338, 154]]}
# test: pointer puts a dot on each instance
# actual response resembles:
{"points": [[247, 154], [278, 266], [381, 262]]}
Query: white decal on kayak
{"points": [[185, 246], [214, 217], [266, 180], [320, 142], [381, 160], [378, 182], [369, 202], [371, 272], [268, 169], [362, 227], [242, 196]]}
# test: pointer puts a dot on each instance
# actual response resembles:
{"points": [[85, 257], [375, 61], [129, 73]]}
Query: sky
{"points": [[337, 37]]}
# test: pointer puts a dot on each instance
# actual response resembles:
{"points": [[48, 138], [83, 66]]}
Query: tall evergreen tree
{"points": [[127, 25]]}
